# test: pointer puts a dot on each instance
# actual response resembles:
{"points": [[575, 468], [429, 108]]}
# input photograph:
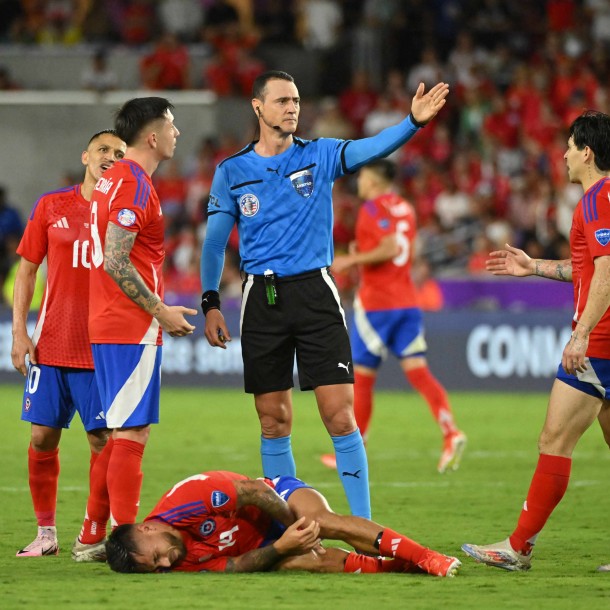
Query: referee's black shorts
{"points": [[308, 320]]}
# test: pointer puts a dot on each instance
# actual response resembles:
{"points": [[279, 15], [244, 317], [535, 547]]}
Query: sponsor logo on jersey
{"points": [[213, 201], [126, 217], [28, 404], [603, 236], [219, 498], [249, 204], [207, 527], [303, 183], [103, 185]]}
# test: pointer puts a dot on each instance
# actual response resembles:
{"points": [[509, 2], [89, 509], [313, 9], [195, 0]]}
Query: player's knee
{"points": [[340, 422], [44, 439]]}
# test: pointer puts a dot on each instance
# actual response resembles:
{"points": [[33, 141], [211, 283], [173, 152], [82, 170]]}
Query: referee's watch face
{"points": [[281, 106]]}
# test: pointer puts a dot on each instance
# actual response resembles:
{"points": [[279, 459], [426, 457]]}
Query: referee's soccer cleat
{"points": [[604, 568], [438, 564], [453, 449], [499, 555], [44, 544], [85, 553]]}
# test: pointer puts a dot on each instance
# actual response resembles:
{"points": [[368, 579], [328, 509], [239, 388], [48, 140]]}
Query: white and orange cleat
{"points": [[499, 555], [453, 449]]}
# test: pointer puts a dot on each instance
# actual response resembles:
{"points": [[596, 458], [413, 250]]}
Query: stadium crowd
{"points": [[489, 170]]}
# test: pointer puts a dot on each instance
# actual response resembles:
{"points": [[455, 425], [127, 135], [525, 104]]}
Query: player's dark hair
{"points": [[592, 129], [111, 132], [136, 114], [385, 169], [258, 88], [120, 549]]}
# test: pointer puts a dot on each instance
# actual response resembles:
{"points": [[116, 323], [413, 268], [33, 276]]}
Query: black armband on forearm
{"points": [[210, 299], [416, 122]]}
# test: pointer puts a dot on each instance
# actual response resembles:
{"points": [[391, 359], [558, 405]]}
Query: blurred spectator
{"points": [[383, 115], [171, 187], [182, 18], [167, 67], [429, 293], [330, 122], [429, 70], [358, 100], [63, 21], [276, 21], [11, 230], [98, 76], [136, 20], [11, 13]]}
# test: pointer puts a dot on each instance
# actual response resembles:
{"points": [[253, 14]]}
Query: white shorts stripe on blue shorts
{"points": [[595, 380], [129, 381], [376, 333], [53, 394]]}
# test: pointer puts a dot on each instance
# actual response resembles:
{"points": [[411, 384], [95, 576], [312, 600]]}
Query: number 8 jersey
{"points": [[58, 229]]}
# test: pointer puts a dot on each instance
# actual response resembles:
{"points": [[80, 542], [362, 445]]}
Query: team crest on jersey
{"points": [[303, 183], [28, 404], [126, 217], [249, 204], [219, 499], [207, 527], [603, 236]]}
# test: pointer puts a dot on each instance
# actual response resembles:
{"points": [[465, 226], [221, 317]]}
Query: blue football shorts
{"points": [[374, 334], [284, 487], [53, 394], [594, 381], [129, 381]]}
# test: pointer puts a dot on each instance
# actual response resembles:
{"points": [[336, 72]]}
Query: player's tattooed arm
{"points": [[257, 560], [554, 270], [298, 539], [255, 492], [119, 243]]}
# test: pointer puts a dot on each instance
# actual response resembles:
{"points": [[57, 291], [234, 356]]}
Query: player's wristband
{"points": [[416, 122], [210, 299]]}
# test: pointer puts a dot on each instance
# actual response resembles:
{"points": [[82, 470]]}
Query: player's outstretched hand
{"points": [[173, 322], [511, 261], [216, 331], [22, 347], [298, 538], [425, 107]]}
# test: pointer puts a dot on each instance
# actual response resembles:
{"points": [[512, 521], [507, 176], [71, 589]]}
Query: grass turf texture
{"points": [[210, 429]]}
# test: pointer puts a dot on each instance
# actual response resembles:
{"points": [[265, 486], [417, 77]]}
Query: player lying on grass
{"points": [[225, 522]]}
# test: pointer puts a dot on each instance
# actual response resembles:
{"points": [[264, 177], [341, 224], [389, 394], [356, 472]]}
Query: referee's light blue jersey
{"points": [[282, 204]]}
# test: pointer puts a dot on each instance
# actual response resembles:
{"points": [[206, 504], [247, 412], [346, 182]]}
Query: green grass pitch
{"points": [[205, 429]]}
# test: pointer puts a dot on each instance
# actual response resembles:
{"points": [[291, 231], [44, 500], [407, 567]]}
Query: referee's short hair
{"points": [[258, 88]]}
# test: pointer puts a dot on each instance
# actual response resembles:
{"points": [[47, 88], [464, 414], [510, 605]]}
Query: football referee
{"points": [[278, 190]]}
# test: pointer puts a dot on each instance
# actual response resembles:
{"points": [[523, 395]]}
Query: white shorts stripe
{"points": [[374, 343], [247, 288], [130, 395], [335, 292]]}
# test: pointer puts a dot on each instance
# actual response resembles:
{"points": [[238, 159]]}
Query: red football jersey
{"points": [[204, 509], [387, 285], [58, 228], [125, 196], [590, 238]]}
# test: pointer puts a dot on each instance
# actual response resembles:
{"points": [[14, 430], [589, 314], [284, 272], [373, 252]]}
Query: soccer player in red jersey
{"points": [[579, 395], [387, 317], [225, 522], [59, 375], [127, 313]]}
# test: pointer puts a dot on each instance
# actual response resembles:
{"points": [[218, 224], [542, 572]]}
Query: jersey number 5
{"points": [[402, 258]]}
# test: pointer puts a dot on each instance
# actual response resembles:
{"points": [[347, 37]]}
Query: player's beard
{"points": [[177, 550]]}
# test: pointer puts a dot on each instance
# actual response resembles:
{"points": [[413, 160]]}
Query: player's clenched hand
{"points": [[510, 261], [173, 322], [425, 107], [298, 538], [22, 347], [216, 331]]}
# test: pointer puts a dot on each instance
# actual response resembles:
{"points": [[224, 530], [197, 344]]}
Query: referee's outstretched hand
{"points": [[425, 107], [216, 331]]}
